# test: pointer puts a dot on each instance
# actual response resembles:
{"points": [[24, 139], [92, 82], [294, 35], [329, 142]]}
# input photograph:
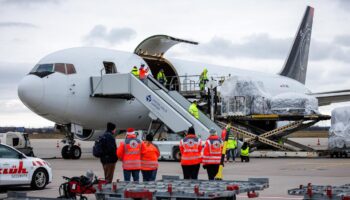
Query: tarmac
{"points": [[283, 173]]}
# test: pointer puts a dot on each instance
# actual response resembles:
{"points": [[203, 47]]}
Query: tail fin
{"points": [[295, 66]]}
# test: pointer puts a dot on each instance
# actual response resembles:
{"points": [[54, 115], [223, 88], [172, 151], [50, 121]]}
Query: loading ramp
{"points": [[168, 106]]}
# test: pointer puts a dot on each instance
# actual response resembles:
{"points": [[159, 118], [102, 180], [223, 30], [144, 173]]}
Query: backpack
{"points": [[97, 150]]}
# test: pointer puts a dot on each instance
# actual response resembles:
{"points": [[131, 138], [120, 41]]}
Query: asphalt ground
{"points": [[283, 173]]}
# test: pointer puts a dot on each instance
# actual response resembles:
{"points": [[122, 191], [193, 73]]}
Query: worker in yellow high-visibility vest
{"points": [[231, 148], [245, 152], [194, 110]]}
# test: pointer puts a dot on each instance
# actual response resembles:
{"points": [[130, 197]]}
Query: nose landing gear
{"points": [[70, 150]]}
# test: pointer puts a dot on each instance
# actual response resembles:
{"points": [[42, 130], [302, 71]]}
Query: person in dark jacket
{"points": [[109, 158]]}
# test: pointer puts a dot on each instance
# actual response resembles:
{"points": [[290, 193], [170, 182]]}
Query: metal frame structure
{"points": [[257, 135], [174, 188], [321, 192]]}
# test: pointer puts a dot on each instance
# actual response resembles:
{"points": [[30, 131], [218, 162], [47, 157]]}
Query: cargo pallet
{"points": [[174, 188], [320, 192]]}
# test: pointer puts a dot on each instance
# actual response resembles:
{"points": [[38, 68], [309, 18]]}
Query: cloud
{"points": [[114, 36], [263, 46], [29, 2], [256, 46], [10, 75], [17, 25], [343, 40], [12, 106]]}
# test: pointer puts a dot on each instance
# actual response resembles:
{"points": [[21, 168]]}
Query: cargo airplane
{"points": [[58, 88]]}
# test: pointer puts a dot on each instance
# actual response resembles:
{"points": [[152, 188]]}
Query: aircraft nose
{"points": [[31, 91]]}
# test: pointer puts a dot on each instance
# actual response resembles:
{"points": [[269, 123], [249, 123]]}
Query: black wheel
{"points": [[75, 152], [39, 179], [176, 154], [332, 155], [65, 152]]}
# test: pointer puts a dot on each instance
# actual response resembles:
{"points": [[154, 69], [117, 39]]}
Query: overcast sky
{"points": [[254, 35]]}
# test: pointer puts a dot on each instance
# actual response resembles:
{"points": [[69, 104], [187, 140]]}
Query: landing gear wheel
{"points": [[39, 180], [65, 152], [75, 152], [176, 154]]}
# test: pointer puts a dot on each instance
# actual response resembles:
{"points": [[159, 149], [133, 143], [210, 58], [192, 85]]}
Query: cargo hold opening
{"points": [[156, 64]]}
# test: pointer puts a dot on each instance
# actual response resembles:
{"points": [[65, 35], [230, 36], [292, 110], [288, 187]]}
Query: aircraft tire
{"points": [[75, 152], [65, 152]]}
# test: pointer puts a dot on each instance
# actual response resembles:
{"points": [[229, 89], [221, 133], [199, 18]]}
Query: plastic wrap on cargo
{"points": [[294, 103], [339, 132], [244, 96]]}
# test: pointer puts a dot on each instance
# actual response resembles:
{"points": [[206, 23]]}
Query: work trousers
{"points": [[149, 175], [190, 171], [245, 158], [212, 170], [108, 169], [230, 153], [134, 173]]}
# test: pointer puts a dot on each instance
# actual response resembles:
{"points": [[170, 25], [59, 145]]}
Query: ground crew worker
{"points": [[108, 157], [143, 72], [149, 159], [135, 72], [161, 77], [231, 148], [245, 152], [190, 148], [194, 110], [203, 79], [129, 152], [212, 154]]}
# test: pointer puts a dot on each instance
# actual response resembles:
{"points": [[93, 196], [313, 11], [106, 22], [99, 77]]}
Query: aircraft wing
{"points": [[326, 98]]}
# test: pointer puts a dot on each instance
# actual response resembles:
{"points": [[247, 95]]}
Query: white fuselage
{"points": [[65, 98]]}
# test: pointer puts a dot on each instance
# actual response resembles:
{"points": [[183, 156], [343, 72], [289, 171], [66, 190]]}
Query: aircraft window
{"points": [[34, 68], [45, 68], [70, 69], [59, 67]]}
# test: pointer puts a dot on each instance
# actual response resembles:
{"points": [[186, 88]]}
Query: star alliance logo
{"points": [[148, 98]]}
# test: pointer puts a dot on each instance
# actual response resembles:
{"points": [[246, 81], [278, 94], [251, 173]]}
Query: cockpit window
{"points": [[59, 67], [70, 69], [45, 68]]}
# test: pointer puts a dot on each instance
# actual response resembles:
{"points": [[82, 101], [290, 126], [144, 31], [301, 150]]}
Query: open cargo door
{"points": [[152, 50], [157, 45]]}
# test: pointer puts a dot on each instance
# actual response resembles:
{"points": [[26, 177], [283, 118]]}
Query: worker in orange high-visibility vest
{"points": [[212, 154], [149, 159], [129, 152], [143, 72], [191, 148]]}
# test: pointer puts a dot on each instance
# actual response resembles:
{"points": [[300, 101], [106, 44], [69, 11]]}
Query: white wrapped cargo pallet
{"points": [[244, 96], [294, 103], [339, 132]]}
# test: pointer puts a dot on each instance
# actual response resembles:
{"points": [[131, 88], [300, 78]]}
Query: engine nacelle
{"points": [[89, 135]]}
